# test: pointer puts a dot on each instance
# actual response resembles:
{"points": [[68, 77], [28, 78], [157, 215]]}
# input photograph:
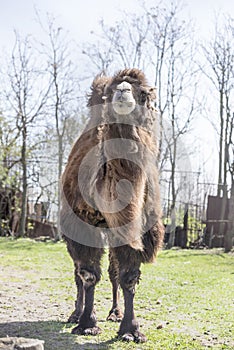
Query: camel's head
{"points": [[123, 100], [127, 92]]}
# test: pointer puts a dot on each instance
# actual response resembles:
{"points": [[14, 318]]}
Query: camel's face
{"points": [[123, 100]]}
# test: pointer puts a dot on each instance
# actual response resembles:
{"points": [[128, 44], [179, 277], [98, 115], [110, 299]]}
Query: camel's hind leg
{"points": [[115, 313]]}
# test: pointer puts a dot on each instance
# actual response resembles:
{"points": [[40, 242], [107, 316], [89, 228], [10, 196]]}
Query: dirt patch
{"points": [[22, 300], [26, 311]]}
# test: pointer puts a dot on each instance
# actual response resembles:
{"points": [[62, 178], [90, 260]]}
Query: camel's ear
{"points": [[152, 93], [97, 90], [107, 92]]}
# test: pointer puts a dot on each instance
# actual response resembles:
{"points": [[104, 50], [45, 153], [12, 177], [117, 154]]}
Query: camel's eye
{"points": [[143, 96]]}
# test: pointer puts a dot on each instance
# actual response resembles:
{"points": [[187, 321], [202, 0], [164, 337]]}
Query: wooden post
{"points": [[228, 238], [185, 231], [171, 241]]}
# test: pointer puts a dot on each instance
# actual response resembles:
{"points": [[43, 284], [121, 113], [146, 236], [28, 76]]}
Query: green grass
{"points": [[184, 301]]}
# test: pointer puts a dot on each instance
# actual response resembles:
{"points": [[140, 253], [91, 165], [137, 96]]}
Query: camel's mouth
{"points": [[123, 107], [124, 103]]}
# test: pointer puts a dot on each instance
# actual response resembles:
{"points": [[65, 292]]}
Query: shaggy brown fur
{"points": [[111, 150]]}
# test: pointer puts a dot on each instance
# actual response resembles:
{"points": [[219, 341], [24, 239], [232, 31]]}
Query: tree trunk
{"points": [[23, 215], [60, 139], [173, 189], [220, 177], [60, 165], [227, 137]]}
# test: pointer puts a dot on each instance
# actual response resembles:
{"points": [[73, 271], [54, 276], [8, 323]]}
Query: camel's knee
{"points": [[89, 277], [129, 279]]}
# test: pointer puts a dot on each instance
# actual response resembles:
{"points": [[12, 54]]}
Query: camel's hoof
{"points": [[136, 336], [86, 331], [139, 337], [115, 315], [74, 318], [127, 337]]}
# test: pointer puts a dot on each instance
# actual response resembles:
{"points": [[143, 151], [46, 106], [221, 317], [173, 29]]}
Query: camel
{"points": [[110, 198]]}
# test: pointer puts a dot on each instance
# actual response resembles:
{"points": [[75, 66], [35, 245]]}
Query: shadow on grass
{"points": [[56, 335]]}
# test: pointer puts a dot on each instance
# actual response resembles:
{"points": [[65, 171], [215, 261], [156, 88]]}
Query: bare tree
{"points": [[219, 69], [9, 180], [65, 91], [219, 55], [26, 95], [172, 59], [9, 155], [123, 44]]}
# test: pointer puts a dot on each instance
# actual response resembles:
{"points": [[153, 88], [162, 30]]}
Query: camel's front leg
{"points": [[87, 321], [129, 328], [79, 304]]}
